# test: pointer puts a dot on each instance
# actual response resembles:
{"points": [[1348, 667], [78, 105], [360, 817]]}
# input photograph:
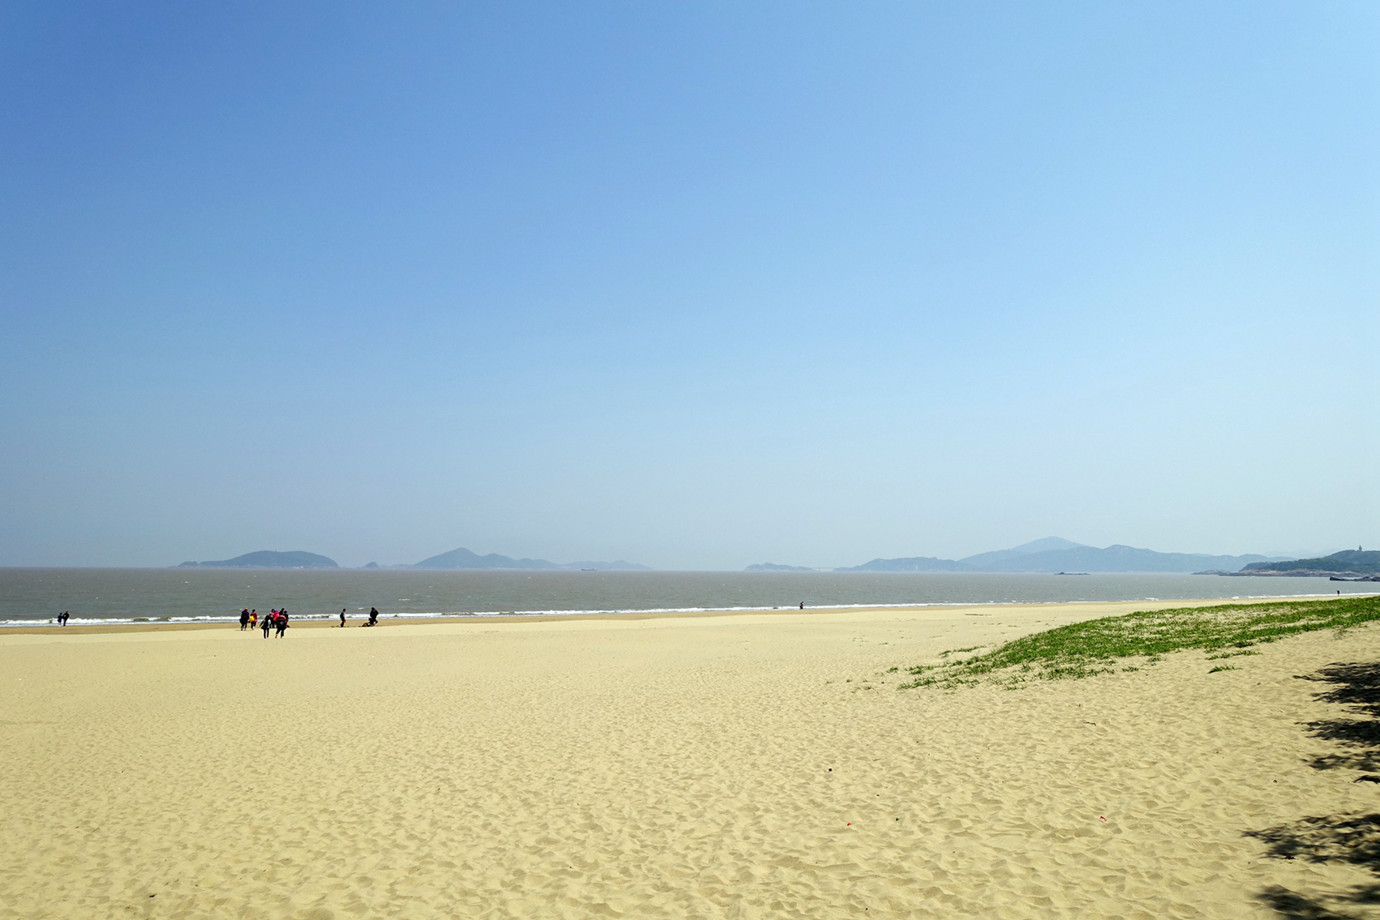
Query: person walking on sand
{"points": [[244, 619], [282, 622], [267, 623], [342, 617], [373, 616]]}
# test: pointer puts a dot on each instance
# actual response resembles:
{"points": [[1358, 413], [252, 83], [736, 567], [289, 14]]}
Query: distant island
{"points": [[267, 559], [1353, 563], [776, 567], [1055, 555], [462, 558]]}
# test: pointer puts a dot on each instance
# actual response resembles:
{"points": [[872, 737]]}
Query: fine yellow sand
{"points": [[745, 766]]}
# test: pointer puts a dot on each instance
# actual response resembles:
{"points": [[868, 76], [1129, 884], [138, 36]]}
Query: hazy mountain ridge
{"points": [[268, 559], [1048, 555], [462, 558], [909, 564], [1055, 554], [1119, 558], [988, 561]]}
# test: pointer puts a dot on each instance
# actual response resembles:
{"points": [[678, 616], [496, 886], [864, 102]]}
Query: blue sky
{"points": [[693, 285]]}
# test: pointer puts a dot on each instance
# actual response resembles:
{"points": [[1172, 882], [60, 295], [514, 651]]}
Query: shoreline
{"points": [[31, 598], [632, 615]]}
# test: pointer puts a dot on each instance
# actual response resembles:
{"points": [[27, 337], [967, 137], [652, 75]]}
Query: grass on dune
{"points": [[1100, 646]]}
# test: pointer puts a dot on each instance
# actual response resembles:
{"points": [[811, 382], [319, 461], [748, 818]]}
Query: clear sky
{"points": [[695, 285]]}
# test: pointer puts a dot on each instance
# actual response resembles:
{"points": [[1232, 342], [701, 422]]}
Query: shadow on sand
{"points": [[1351, 839]]}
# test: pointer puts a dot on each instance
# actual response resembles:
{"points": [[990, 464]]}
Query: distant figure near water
{"points": [[282, 622], [267, 622], [373, 617], [244, 619], [342, 617], [62, 618]]}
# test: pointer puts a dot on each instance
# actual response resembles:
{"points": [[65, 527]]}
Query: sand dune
{"points": [[746, 766]]}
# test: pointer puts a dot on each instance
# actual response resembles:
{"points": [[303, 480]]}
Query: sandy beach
{"points": [[760, 765]]}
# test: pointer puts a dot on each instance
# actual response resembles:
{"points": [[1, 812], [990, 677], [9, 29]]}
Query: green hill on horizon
{"points": [[1347, 562]]}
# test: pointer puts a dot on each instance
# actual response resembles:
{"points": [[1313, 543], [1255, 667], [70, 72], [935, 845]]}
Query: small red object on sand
{"points": [[1104, 819]]}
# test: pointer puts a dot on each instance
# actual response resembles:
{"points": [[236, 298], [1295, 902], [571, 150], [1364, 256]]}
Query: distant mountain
{"points": [[1347, 562], [1055, 554], [267, 559], [775, 567], [1118, 558], [462, 558], [908, 564], [993, 561], [617, 565]]}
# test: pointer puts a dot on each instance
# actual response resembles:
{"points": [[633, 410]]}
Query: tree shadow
{"points": [[1350, 839], [1357, 687], [1294, 906], [1335, 838]]}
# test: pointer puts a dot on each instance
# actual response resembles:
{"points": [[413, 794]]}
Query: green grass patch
{"points": [[1096, 646], [1234, 653]]}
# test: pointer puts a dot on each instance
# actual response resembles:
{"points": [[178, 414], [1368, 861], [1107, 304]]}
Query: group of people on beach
{"points": [[276, 619]]}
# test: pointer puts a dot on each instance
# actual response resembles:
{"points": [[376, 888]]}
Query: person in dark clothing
{"points": [[244, 619], [373, 616], [342, 617], [267, 623], [282, 622]]}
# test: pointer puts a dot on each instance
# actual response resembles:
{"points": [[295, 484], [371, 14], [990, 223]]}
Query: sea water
{"points": [[34, 596]]}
